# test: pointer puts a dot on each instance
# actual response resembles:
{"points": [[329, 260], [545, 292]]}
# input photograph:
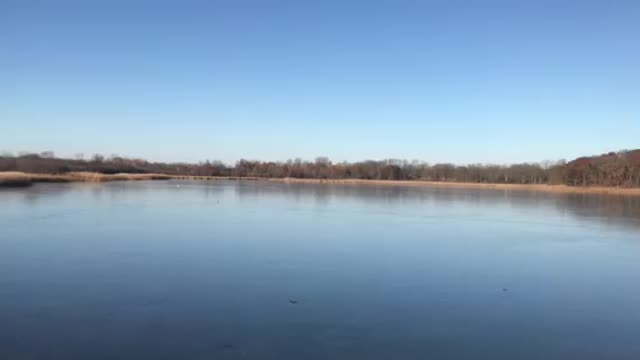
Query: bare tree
{"points": [[47, 154]]}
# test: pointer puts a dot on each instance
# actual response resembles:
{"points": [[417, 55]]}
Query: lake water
{"points": [[258, 270]]}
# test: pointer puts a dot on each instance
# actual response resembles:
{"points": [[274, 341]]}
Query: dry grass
{"points": [[24, 179], [14, 179], [526, 187], [218, 178]]}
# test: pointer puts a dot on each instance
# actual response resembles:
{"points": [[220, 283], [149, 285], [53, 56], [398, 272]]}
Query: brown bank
{"points": [[15, 179], [525, 187]]}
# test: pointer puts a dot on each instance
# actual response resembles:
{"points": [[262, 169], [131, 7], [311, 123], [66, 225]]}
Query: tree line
{"points": [[620, 169]]}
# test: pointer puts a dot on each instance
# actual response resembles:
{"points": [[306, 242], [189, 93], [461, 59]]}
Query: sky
{"points": [[439, 81]]}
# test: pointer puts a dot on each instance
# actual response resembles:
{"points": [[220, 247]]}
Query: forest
{"points": [[615, 169]]}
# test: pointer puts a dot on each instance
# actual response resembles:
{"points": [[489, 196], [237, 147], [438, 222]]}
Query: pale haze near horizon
{"points": [[189, 81]]}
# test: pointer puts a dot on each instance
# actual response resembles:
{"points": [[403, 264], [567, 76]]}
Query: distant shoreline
{"points": [[18, 179], [486, 186]]}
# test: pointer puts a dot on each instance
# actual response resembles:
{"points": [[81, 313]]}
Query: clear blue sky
{"points": [[457, 81]]}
